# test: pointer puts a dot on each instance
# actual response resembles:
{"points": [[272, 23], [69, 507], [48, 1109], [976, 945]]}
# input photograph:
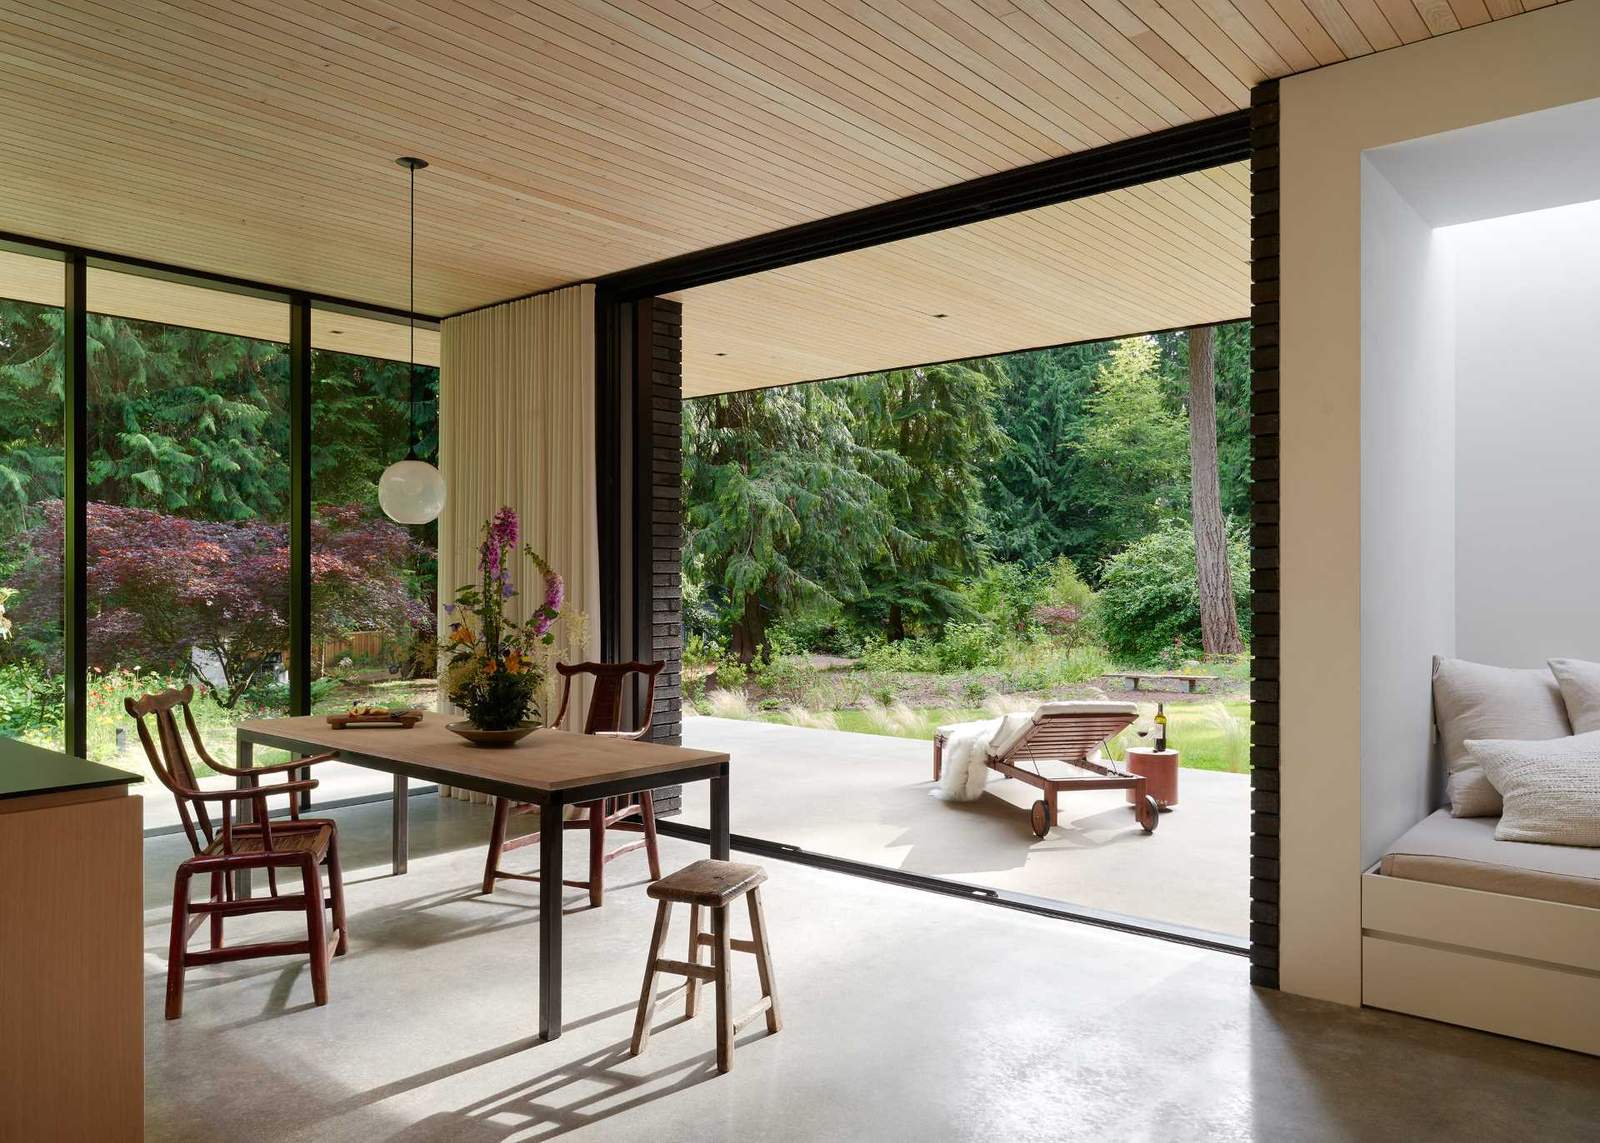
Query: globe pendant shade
{"points": [[411, 492]]}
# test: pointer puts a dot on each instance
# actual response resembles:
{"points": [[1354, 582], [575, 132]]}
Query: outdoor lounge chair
{"points": [[1070, 733]]}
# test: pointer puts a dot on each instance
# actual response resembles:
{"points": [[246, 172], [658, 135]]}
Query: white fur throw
{"points": [[966, 745]]}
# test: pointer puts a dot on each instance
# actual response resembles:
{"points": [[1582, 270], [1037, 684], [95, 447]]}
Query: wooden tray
{"points": [[405, 720]]}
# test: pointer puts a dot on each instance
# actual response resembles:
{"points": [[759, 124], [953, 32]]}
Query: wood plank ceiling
{"points": [[1166, 254], [572, 138]]}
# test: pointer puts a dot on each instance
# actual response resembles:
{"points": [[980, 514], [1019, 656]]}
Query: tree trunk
{"points": [[1219, 622], [749, 630]]}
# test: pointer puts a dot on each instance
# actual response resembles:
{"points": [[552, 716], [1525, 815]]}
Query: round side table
{"points": [[1159, 768]]}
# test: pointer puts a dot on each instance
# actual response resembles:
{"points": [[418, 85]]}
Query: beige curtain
{"points": [[517, 427]]}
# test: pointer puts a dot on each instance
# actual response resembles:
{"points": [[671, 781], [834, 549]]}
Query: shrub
{"points": [[967, 646], [728, 704], [915, 655], [1148, 603]]}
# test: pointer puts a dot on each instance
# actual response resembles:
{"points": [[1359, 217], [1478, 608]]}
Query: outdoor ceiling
{"points": [[571, 139], [1166, 254]]}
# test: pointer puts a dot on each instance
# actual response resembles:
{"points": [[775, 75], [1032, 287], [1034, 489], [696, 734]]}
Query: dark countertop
{"points": [[26, 770]]}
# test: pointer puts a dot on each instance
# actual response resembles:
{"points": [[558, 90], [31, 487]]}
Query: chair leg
{"points": [[647, 812], [217, 883], [336, 895], [597, 853], [316, 932], [647, 995], [758, 937], [175, 948], [691, 1000], [721, 961], [497, 841]]}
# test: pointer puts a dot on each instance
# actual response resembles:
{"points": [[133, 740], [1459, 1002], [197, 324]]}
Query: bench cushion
{"points": [[1464, 852]]}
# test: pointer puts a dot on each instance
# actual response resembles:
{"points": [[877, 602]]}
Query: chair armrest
{"points": [[280, 768], [266, 791]]}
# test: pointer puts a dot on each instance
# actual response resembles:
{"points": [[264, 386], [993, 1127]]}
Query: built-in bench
{"points": [[1500, 935], [1132, 679]]}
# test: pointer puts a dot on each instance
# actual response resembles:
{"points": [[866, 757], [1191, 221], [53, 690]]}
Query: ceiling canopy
{"points": [[572, 139]]}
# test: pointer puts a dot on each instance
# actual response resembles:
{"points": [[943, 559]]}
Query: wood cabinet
{"points": [[71, 950]]}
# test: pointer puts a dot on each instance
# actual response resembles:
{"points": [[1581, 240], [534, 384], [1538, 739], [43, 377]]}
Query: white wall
{"points": [[1408, 503], [1528, 436], [1329, 118]]}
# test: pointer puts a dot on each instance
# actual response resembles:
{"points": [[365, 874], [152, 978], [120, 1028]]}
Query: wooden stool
{"points": [[710, 885]]}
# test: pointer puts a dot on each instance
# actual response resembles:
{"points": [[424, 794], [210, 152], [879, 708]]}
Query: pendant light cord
{"points": [[411, 319]]}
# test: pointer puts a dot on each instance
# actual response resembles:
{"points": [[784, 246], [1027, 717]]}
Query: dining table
{"points": [[552, 769]]}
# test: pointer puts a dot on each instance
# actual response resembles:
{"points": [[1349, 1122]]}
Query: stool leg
{"points": [[647, 995], [758, 936], [691, 1003], [720, 959]]}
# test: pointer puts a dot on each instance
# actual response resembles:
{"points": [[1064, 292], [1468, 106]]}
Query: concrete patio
{"points": [[868, 798]]}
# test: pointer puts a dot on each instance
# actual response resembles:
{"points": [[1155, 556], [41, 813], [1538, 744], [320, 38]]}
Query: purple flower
{"points": [[449, 609], [504, 531], [506, 590], [554, 591], [543, 623]]}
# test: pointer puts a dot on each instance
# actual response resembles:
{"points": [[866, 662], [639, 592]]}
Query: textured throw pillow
{"points": [[1471, 700], [1551, 789], [1580, 691]]}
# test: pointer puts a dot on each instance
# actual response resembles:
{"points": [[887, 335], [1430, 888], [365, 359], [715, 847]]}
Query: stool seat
{"points": [[708, 882]]}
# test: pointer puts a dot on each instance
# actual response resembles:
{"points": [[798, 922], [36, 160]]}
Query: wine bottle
{"points": [[1161, 727]]}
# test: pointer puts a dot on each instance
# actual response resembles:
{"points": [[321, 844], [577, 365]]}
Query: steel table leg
{"points": [[550, 838], [721, 834], [400, 844]]}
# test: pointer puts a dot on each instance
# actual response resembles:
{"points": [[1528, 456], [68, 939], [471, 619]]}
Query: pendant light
{"points": [[411, 491]]}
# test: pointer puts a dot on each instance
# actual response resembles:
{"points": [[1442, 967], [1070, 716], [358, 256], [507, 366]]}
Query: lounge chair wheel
{"points": [[1039, 818], [1152, 814]]}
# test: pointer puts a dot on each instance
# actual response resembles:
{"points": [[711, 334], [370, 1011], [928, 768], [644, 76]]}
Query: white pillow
{"points": [[1551, 789], [1580, 692], [1471, 700]]}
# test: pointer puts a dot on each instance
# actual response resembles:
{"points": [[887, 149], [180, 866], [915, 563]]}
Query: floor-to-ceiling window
{"points": [[188, 479], [373, 581], [32, 366]]}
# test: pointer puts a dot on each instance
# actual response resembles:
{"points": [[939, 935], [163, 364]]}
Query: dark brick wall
{"points": [[1264, 758], [658, 375]]}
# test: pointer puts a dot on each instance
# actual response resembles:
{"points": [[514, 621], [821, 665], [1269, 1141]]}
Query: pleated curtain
{"points": [[517, 428]]}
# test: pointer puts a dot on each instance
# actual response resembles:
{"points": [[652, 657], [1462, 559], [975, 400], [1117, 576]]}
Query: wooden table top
{"points": [[546, 760]]}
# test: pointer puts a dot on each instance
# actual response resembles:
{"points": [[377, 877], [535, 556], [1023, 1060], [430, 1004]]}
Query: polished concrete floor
{"points": [[908, 1016], [867, 797]]}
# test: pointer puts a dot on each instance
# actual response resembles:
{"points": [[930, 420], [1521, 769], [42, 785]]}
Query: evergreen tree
{"points": [[784, 506], [939, 421]]}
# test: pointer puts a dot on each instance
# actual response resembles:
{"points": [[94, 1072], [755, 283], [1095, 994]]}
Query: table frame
{"points": [[551, 803]]}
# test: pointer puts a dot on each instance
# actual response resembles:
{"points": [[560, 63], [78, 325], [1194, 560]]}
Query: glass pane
{"points": [[373, 582], [32, 367], [188, 470]]}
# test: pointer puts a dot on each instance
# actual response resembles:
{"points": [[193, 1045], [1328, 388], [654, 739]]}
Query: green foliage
{"points": [[1148, 602], [30, 700], [784, 506], [1136, 446], [939, 421]]}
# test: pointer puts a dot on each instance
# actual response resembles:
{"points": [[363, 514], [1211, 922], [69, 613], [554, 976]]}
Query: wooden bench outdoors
{"points": [[1133, 679]]}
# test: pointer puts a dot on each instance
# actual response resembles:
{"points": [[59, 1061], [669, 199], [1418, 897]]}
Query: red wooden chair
{"points": [[224, 848], [622, 813]]}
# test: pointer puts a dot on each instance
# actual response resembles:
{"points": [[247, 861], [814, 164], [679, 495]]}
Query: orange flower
{"points": [[463, 634], [514, 662]]}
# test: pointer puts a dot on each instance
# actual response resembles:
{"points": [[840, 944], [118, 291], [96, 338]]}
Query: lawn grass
{"points": [[1205, 740]]}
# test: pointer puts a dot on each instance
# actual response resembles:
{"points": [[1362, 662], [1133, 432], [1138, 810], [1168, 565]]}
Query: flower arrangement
{"points": [[494, 665]]}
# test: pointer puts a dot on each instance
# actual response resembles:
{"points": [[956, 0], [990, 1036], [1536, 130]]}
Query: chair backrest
{"points": [[1072, 737], [606, 700], [169, 758]]}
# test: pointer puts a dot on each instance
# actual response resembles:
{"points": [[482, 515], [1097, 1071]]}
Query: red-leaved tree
{"points": [[162, 588]]}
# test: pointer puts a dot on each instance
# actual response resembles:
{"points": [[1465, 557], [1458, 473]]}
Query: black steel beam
{"points": [[299, 504], [1164, 154], [75, 507]]}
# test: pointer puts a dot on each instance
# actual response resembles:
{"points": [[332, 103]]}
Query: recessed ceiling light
{"points": [[722, 355], [941, 315], [336, 331]]}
